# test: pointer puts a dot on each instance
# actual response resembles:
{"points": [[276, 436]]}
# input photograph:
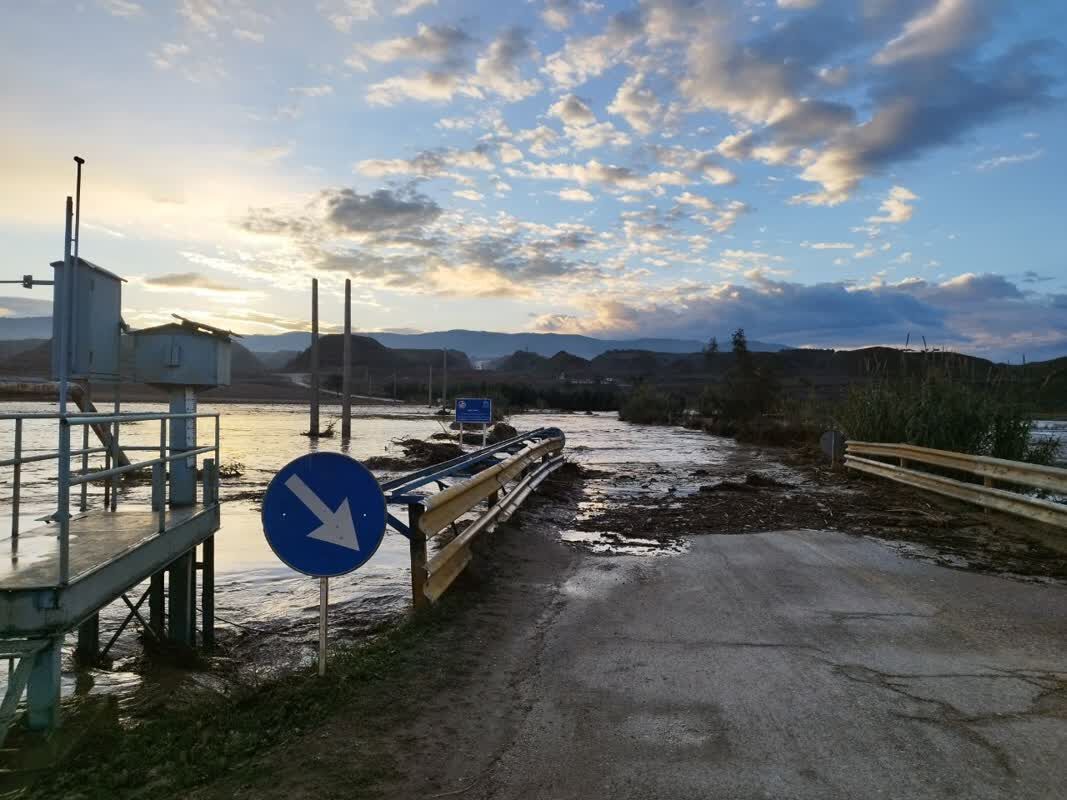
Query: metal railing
{"points": [[862, 456], [512, 468], [66, 478]]}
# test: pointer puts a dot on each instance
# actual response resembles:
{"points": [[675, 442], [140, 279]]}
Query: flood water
{"points": [[266, 614]]}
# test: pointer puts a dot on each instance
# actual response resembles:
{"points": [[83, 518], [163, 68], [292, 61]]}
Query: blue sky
{"points": [[821, 172]]}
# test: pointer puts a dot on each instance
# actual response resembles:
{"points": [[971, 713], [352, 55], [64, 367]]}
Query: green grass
{"points": [[180, 749]]}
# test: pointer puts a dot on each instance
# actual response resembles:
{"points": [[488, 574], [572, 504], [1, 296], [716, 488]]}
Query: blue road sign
{"points": [[474, 409], [324, 514]]}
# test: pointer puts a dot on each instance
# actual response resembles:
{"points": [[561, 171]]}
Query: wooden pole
{"points": [[444, 378], [314, 430], [346, 369], [429, 389]]}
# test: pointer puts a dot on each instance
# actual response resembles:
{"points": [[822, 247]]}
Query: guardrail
{"points": [[992, 471], [515, 468], [66, 478]]}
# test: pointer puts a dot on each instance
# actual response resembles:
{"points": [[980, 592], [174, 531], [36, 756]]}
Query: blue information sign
{"points": [[474, 409], [324, 514]]}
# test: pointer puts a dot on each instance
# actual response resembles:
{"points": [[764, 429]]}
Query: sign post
{"points": [[476, 410], [324, 515]]}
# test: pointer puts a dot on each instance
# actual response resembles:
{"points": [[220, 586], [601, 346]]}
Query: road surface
{"points": [[767, 665], [793, 665]]}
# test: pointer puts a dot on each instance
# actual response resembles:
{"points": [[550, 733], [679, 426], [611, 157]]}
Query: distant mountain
{"points": [[369, 353], [25, 328], [36, 361], [483, 345]]}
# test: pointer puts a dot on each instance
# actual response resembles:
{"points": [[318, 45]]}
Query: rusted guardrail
{"points": [[503, 486], [862, 456]]}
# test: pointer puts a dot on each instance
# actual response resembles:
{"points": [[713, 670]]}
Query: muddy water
{"points": [[266, 613]]}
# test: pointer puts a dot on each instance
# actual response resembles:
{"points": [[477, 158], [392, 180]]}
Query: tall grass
{"points": [[936, 411]]}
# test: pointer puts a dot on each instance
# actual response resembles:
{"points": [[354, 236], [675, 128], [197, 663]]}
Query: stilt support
{"points": [[87, 652], [181, 600], [42, 693]]}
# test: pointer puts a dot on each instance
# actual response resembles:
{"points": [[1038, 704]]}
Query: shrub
{"points": [[647, 406]]}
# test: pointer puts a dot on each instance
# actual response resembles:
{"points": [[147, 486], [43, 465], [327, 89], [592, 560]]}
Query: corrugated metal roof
{"points": [[96, 267]]}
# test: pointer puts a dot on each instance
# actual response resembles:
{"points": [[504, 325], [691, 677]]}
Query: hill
{"points": [[484, 345], [12, 328], [371, 354]]}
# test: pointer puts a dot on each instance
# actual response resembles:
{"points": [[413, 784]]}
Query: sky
{"points": [[828, 173]]}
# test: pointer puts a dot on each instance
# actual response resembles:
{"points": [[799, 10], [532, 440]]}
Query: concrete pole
{"points": [[444, 378], [346, 368], [314, 430], [429, 389]]}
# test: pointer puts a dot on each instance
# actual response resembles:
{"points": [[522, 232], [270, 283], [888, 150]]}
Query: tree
{"points": [[739, 343], [713, 345]]}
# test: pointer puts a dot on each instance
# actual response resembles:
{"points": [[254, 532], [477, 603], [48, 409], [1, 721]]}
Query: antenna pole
{"points": [[77, 206]]}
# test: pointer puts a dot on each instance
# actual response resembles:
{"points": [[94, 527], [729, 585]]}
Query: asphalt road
{"points": [[789, 665]]}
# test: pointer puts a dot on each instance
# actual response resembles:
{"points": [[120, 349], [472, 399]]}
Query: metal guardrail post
{"points": [[417, 546]]}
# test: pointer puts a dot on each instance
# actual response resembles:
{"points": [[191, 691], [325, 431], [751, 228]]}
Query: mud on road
{"points": [[651, 506]]}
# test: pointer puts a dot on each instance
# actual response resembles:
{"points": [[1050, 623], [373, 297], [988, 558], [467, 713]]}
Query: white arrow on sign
{"points": [[337, 526]]}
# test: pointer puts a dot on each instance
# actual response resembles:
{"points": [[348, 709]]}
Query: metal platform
{"points": [[56, 577], [110, 552]]}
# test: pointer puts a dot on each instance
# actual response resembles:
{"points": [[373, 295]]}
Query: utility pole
{"points": [[444, 378], [314, 431], [429, 389], [394, 384], [346, 369]]}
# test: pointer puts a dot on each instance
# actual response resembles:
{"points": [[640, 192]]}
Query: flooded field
{"points": [[265, 613]]}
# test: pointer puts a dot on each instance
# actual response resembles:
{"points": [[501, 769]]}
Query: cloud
{"points": [[1008, 160], [497, 70], [637, 104], [405, 7], [919, 114], [313, 91], [828, 245], [576, 195], [25, 307], [895, 208], [469, 194], [941, 29], [977, 313], [401, 240], [342, 14], [441, 44], [440, 163], [609, 175], [584, 58], [701, 162], [248, 36], [572, 110], [439, 87], [558, 14], [190, 280], [121, 8], [168, 54], [690, 199]]}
